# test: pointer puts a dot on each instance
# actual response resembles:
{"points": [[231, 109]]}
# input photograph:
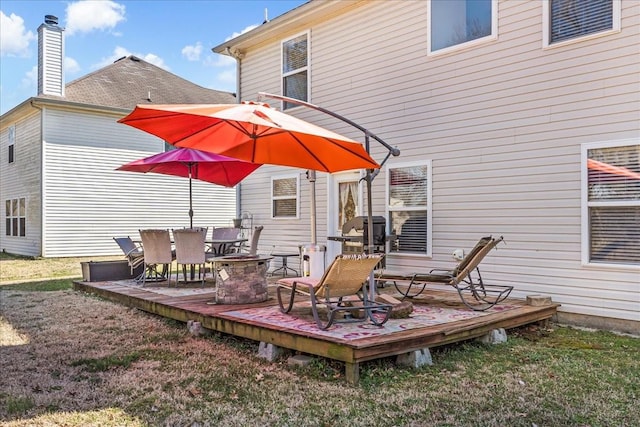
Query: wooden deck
{"points": [[351, 351]]}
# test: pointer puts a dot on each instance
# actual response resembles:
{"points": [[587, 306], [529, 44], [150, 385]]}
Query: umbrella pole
{"points": [[311, 175], [190, 200]]}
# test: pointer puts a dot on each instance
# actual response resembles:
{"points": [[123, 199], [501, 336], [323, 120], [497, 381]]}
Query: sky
{"points": [[174, 35]]}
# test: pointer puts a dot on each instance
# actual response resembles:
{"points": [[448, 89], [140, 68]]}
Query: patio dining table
{"points": [[221, 247]]}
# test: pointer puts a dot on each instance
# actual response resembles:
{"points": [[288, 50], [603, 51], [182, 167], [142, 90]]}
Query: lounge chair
{"points": [[473, 292], [132, 252], [190, 247], [158, 256], [344, 279]]}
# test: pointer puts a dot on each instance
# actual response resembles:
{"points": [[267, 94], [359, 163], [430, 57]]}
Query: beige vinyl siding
{"points": [[502, 122], [88, 202], [22, 179]]}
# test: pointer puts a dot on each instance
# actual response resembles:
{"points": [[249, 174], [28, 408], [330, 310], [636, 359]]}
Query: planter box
{"points": [[108, 270]]}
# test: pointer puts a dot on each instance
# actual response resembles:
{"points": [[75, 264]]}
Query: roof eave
{"points": [[300, 16]]}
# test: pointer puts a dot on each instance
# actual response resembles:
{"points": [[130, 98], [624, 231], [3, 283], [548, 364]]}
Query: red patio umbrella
{"points": [[190, 163], [253, 132]]}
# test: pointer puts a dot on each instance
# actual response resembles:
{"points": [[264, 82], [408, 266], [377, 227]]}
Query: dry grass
{"points": [[69, 359]]}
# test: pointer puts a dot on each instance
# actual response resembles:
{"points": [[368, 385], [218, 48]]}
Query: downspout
{"points": [[237, 55]]}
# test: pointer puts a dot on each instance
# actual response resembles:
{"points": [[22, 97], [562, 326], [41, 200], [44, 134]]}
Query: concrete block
{"points": [[415, 359], [269, 351], [538, 300], [496, 336], [299, 360]]}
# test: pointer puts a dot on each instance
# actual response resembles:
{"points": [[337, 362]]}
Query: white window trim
{"points": [[307, 68], [297, 196], [466, 45], [394, 165], [584, 203], [546, 16]]}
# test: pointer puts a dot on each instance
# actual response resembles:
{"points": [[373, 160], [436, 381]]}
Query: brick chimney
{"points": [[50, 57]]}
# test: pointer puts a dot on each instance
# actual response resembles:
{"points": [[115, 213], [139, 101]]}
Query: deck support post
{"points": [[352, 372], [495, 336], [269, 351], [415, 359]]}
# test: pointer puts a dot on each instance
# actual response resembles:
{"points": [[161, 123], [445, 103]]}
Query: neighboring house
{"points": [[498, 109], [59, 189]]}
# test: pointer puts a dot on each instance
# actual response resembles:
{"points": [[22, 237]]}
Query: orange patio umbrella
{"points": [[253, 132]]}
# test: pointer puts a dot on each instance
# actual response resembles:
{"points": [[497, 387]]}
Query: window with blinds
{"points": [[613, 204], [295, 65], [284, 197], [570, 19], [409, 208]]}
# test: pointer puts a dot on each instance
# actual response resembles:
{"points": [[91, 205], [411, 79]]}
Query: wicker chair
{"points": [[344, 279], [190, 250], [157, 255], [473, 292]]}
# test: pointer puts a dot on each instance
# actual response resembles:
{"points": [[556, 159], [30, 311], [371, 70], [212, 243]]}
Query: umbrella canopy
{"points": [[253, 132], [190, 163]]}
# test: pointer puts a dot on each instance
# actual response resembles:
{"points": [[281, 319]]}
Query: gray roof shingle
{"points": [[130, 81]]}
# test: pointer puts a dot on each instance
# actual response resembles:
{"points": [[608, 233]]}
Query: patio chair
{"points": [[223, 233], [253, 245], [342, 288], [473, 292], [132, 252], [158, 256], [190, 251]]}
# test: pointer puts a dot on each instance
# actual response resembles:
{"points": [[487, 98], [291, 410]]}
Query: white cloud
{"points": [[89, 15], [247, 29], [120, 52], [217, 60], [14, 40], [192, 52], [71, 66], [30, 79]]}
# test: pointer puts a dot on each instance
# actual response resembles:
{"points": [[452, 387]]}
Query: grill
{"points": [[355, 235]]}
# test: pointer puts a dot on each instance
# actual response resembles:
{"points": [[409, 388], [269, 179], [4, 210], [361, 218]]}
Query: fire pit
{"points": [[241, 279]]}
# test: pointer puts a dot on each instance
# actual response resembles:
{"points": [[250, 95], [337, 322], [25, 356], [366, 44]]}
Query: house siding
{"points": [[82, 214], [22, 179], [502, 122]]}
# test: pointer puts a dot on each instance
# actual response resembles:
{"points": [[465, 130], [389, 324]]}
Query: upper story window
{"points": [[12, 143], [15, 217], [611, 203], [409, 207], [295, 69], [460, 23], [284, 196], [567, 20]]}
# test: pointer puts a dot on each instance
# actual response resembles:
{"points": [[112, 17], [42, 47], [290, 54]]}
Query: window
{"points": [[295, 69], [409, 207], [284, 197], [12, 142], [457, 23], [567, 20], [611, 203], [15, 217]]}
